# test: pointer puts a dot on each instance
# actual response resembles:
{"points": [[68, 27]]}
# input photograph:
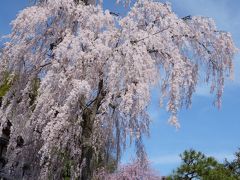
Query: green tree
{"points": [[234, 166], [195, 165]]}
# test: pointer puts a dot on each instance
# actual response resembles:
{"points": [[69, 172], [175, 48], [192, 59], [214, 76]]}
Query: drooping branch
{"points": [[77, 110]]}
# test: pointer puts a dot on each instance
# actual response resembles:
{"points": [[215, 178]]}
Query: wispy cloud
{"points": [[221, 156], [203, 90], [175, 158], [166, 159]]}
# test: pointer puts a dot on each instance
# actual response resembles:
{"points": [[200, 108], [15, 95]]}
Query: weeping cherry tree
{"points": [[75, 81]]}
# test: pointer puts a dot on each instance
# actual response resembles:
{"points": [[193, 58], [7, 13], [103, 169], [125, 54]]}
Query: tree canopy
{"points": [[79, 79], [196, 165]]}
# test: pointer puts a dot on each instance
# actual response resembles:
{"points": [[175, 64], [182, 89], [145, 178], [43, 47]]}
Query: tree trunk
{"points": [[87, 156], [88, 117]]}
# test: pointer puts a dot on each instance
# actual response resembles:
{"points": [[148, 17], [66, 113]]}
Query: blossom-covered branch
{"points": [[76, 80]]}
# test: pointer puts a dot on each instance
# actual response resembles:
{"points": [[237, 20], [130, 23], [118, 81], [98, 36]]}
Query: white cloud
{"points": [[203, 90], [166, 159], [175, 159], [222, 156]]}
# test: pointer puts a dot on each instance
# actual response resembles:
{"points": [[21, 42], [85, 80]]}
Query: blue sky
{"points": [[203, 127]]}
